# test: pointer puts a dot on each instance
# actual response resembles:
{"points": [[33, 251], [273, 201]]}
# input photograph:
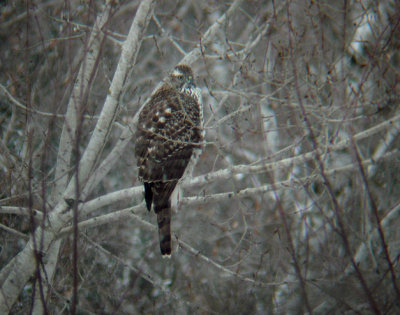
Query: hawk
{"points": [[168, 141]]}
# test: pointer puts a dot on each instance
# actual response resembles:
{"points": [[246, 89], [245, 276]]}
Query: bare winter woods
{"points": [[294, 204]]}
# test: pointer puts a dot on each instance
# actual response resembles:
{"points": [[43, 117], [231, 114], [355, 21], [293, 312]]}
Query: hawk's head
{"points": [[181, 78]]}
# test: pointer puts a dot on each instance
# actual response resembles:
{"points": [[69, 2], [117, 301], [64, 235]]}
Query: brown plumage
{"points": [[168, 136]]}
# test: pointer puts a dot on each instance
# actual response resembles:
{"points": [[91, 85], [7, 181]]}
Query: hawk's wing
{"points": [[168, 131]]}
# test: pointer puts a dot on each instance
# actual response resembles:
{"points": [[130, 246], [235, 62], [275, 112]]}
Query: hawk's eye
{"points": [[180, 77]]}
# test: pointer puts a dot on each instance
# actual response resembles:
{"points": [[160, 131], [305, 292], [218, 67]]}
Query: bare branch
{"points": [[23, 262]]}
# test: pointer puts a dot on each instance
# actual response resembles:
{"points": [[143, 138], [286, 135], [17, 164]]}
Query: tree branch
{"points": [[23, 266]]}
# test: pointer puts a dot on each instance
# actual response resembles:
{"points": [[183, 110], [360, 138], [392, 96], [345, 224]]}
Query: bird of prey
{"points": [[168, 142]]}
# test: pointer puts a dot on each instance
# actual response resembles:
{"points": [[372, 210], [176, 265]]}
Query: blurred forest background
{"points": [[294, 204]]}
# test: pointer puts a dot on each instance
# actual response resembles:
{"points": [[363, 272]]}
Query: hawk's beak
{"points": [[191, 81]]}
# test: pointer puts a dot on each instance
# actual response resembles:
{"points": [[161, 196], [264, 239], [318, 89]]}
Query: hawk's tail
{"points": [[163, 211]]}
